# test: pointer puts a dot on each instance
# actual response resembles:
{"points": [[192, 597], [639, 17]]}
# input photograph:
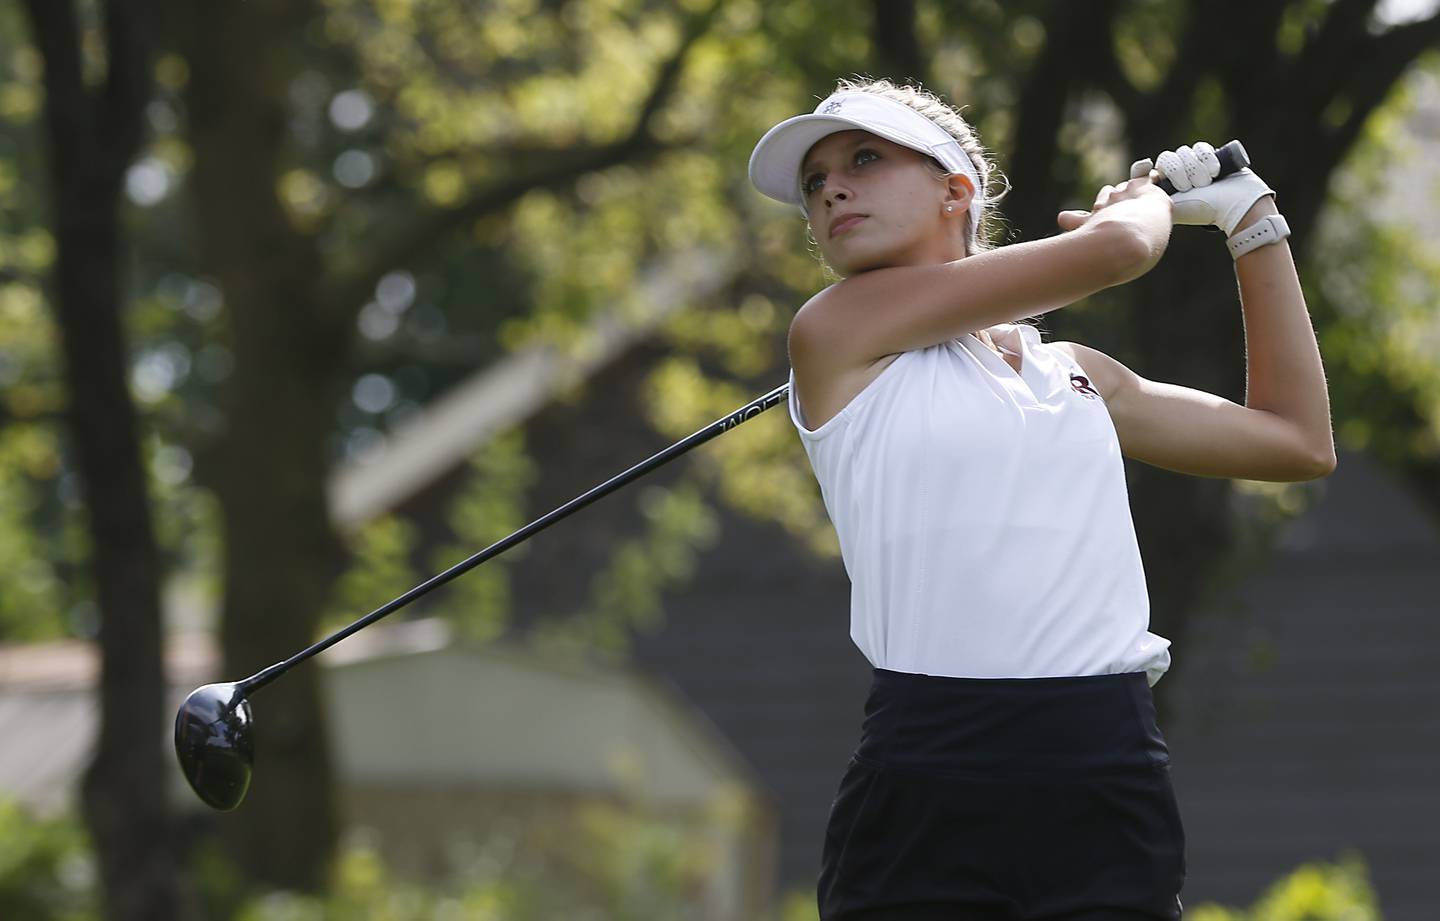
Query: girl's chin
{"points": [[846, 257], [855, 263]]}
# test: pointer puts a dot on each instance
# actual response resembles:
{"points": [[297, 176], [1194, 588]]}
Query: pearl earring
{"points": [[949, 207]]}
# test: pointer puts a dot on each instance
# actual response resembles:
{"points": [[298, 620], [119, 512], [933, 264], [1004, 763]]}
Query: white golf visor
{"points": [[776, 161]]}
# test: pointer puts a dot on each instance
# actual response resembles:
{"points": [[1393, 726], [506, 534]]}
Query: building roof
{"points": [[451, 428]]}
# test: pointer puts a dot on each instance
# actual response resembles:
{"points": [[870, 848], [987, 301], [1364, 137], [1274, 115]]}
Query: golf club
{"points": [[214, 734]]}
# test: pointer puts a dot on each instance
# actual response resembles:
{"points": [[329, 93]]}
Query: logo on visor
{"points": [[832, 107]]}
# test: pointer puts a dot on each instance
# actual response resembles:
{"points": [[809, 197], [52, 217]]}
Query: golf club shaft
{"points": [[1232, 158], [719, 426]]}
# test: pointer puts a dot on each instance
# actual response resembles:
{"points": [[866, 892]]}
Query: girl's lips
{"points": [[845, 224]]}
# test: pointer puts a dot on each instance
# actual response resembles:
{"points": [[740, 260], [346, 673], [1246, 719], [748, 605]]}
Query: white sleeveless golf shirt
{"points": [[983, 516]]}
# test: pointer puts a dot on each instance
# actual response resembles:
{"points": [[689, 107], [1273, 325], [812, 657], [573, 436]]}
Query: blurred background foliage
{"points": [[646, 873], [344, 208], [399, 106], [1315, 892]]}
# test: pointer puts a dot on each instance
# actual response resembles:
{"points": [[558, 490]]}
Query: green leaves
{"points": [[491, 506], [626, 596], [46, 871], [1338, 891]]}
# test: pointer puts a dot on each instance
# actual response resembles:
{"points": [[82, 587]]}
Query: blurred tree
{"points": [[385, 195], [42, 591], [296, 261], [93, 107], [38, 859]]}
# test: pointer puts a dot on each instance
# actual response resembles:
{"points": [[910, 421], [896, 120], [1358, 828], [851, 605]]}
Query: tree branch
{"points": [[129, 28], [1368, 81], [1110, 78], [1072, 32], [1153, 122], [344, 293], [897, 46], [1253, 94], [1394, 52], [57, 36], [10, 275], [1318, 75], [668, 76], [57, 417]]}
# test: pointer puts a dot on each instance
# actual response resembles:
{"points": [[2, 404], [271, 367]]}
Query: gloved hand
{"points": [[1200, 198]]}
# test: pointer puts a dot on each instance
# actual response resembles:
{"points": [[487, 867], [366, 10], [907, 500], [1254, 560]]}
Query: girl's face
{"points": [[874, 203]]}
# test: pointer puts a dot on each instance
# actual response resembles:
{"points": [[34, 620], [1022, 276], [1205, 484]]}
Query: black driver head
{"points": [[214, 743]]}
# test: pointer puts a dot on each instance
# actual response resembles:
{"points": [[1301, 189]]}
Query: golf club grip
{"points": [[724, 424], [1232, 157]]}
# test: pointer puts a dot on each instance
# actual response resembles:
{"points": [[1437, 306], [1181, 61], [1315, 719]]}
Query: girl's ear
{"points": [[960, 191]]}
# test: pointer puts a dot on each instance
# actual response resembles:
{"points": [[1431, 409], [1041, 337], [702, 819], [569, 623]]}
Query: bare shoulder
{"points": [[827, 378], [1106, 374], [814, 327]]}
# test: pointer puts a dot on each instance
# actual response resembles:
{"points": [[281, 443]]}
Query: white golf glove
{"points": [[1199, 197]]}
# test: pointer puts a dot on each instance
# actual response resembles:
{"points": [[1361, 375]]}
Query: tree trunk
{"points": [[123, 792], [269, 467], [91, 140], [291, 327]]}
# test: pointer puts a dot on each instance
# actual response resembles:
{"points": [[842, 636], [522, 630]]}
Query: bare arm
{"points": [[1194, 432], [1282, 433], [891, 310], [1284, 373]]}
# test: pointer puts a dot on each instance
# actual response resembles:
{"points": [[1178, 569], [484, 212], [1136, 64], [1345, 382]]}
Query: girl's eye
{"points": [[814, 181]]}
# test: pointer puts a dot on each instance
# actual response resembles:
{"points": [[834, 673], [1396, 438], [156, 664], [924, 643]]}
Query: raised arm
{"points": [[1284, 373], [891, 310], [1283, 431]]}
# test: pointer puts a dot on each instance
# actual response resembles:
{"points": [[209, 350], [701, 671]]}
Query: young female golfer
{"points": [[1009, 766]]}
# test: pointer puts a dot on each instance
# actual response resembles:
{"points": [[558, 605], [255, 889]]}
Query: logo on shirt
{"points": [[1082, 386]]}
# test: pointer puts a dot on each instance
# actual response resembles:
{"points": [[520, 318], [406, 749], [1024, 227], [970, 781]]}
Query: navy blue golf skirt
{"points": [[1012, 799]]}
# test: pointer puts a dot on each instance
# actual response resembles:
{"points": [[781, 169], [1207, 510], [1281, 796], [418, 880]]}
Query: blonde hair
{"points": [[983, 215]]}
